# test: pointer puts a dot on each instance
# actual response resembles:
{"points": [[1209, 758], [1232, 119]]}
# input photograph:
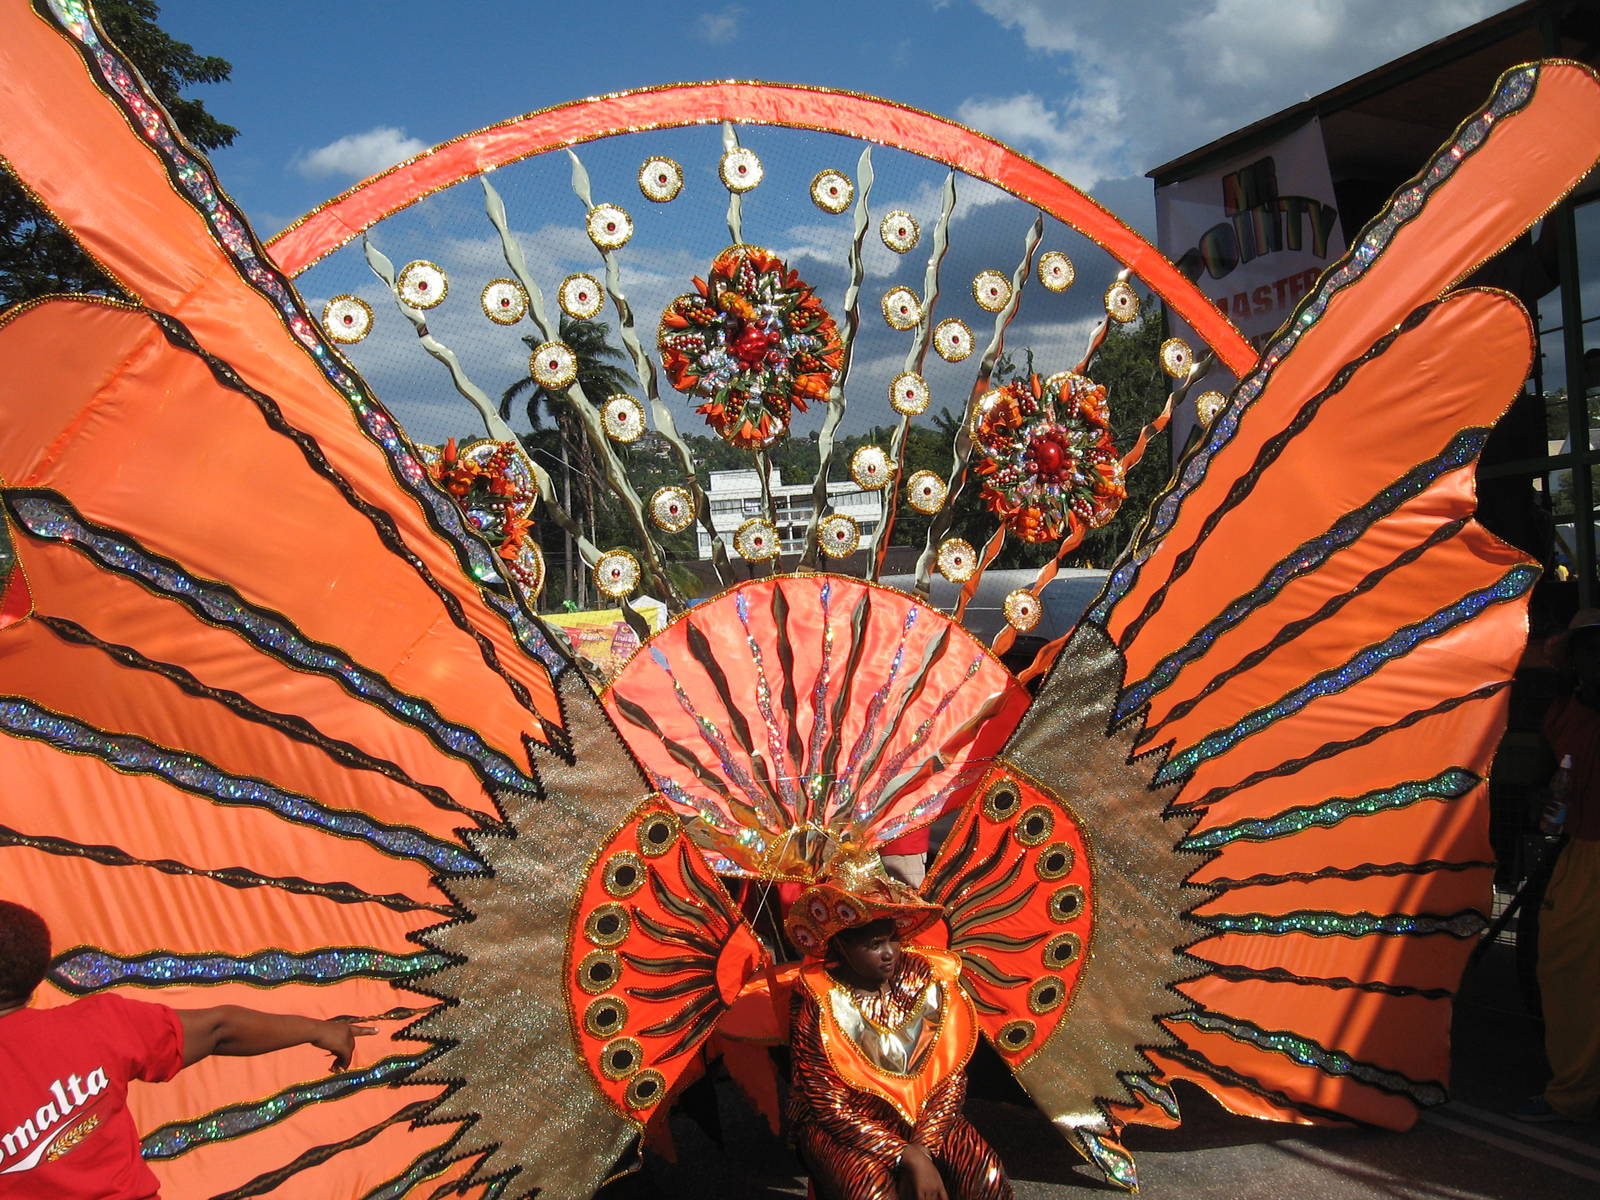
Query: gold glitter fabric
{"points": [[516, 1049], [1138, 887], [851, 1140]]}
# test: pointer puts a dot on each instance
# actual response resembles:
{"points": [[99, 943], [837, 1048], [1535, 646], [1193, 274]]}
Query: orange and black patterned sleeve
{"points": [[820, 1097], [939, 1112]]}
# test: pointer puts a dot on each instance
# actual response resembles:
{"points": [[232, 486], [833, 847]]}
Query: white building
{"points": [[735, 497]]}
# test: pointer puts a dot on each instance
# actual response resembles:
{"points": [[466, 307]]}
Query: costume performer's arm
{"points": [[939, 1112], [829, 1102]]}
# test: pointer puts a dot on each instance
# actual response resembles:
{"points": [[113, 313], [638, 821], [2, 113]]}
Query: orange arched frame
{"points": [[331, 225]]}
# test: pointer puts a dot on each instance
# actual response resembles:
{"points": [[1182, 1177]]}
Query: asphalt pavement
{"points": [[1465, 1150]]}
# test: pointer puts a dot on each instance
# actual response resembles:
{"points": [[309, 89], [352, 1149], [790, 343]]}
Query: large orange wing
{"points": [[1318, 640], [255, 673]]}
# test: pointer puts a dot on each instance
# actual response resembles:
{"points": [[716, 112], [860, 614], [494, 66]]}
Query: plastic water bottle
{"points": [[1560, 788]]}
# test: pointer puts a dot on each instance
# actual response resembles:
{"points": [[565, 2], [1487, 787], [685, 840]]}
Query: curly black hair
{"points": [[24, 951]]}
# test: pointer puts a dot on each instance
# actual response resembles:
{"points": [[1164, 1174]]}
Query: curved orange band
{"points": [[325, 229]]}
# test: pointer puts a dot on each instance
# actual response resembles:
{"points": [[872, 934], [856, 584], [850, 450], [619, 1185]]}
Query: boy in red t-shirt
{"points": [[65, 1130]]}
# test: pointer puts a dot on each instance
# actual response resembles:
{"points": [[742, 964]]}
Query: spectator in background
{"points": [[1569, 929], [65, 1130]]}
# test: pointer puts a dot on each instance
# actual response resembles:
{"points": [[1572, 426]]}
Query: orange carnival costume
{"points": [[872, 1072], [278, 710]]}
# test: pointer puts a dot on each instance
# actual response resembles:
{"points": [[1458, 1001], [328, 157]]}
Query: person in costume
{"points": [[65, 1130], [1569, 925], [880, 1034]]}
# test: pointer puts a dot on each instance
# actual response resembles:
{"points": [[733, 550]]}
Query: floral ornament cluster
{"points": [[494, 486], [752, 343], [1045, 454]]}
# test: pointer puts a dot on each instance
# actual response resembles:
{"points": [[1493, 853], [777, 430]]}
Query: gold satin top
{"points": [[894, 1037]]}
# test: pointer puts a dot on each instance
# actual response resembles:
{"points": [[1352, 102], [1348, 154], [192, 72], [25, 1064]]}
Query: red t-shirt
{"points": [[65, 1129], [1572, 727]]}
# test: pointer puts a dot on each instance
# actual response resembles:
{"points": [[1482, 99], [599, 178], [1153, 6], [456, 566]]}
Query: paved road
{"points": [[1464, 1151]]}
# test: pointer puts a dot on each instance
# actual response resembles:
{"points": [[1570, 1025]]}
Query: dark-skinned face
{"points": [[869, 953], [1585, 658]]}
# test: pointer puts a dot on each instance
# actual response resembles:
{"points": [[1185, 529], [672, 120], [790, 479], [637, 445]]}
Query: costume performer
{"points": [[331, 748], [879, 1036], [67, 1132]]}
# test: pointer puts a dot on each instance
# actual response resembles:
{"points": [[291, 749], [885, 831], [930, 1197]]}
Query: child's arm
{"points": [[229, 1029]]}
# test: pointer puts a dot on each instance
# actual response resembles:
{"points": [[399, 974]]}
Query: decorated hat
{"points": [[855, 891]]}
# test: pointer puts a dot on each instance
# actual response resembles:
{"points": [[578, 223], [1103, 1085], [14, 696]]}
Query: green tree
{"points": [[37, 258], [599, 378]]}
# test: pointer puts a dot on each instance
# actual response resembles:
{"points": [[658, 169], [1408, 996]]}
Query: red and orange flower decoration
{"points": [[1044, 451], [752, 342], [494, 486]]}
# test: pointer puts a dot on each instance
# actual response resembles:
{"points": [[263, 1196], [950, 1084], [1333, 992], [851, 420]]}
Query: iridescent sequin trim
{"points": [[1447, 785], [91, 970], [134, 755], [180, 1137], [194, 180], [1514, 93], [1465, 924], [1309, 1053], [219, 604], [1513, 584], [1303, 560]]}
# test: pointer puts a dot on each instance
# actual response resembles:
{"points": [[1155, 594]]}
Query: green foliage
{"points": [[37, 258]]}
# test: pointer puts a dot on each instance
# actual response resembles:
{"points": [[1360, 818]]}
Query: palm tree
{"points": [[599, 378]]}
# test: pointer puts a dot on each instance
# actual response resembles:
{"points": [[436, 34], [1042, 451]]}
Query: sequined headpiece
{"points": [[855, 891]]}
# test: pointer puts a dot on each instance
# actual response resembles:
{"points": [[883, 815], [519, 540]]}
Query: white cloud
{"points": [[1143, 81], [358, 155], [720, 27]]}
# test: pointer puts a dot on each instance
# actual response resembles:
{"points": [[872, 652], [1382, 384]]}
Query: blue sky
{"points": [[1099, 90]]}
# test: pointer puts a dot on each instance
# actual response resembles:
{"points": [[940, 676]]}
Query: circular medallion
{"points": [[832, 191], [1044, 453], [991, 290], [952, 339], [753, 343], [838, 535], [1055, 861], [606, 925], [608, 226], [657, 832], [672, 508], [1176, 357], [805, 940], [1066, 904], [899, 230], [871, 468], [756, 540], [620, 1058], [1061, 951], [957, 560], [1001, 800], [1036, 825], [741, 169], [504, 302], [580, 296], [616, 574], [660, 179], [1207, 405], [1046, 995], [1015, 1035], [1022, 610], [606, 1017], [1056, 271], [925, 492], [347, 318], [623, 418], [1122, 302], [553, 366], [645, 1089], [623, 876], [908, 394], [902, 308], [422, 284], [598, 971]]}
